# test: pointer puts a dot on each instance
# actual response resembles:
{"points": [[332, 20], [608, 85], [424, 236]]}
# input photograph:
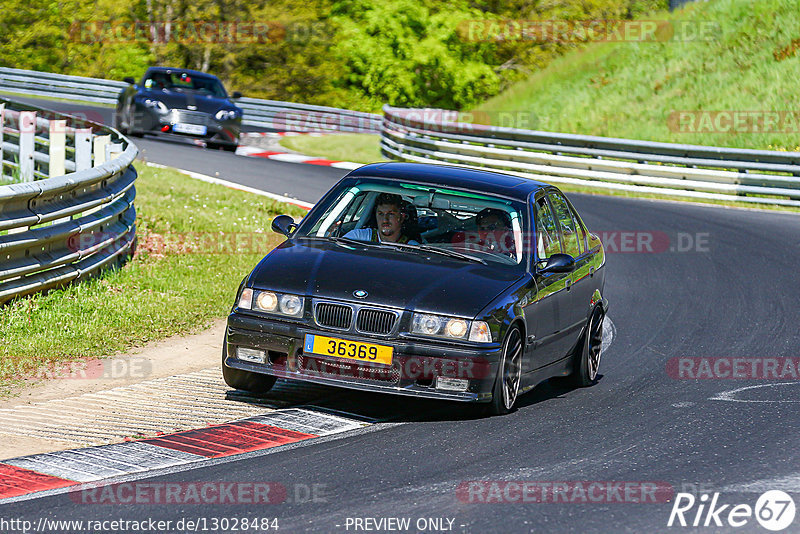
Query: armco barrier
{"points": [[71, 211], [283, 116], [434, 136]]}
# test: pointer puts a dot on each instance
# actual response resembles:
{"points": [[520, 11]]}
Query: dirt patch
{"points": [[172, 356]]}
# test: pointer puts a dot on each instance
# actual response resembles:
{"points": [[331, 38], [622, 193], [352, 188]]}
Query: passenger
{"points": [[389, 219], [494, 234]]}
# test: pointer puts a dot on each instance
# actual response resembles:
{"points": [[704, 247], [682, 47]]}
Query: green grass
{"points": [[164, 290], [629, 89], [360, 148]]}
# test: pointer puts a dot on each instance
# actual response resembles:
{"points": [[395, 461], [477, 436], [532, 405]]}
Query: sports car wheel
{"points": [[585, 370], [245, 380], [506, 385], [118, 123]]}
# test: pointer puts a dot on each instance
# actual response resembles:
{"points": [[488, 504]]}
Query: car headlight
{"points": [[226, 114], [271, 302], [291, 305], [450, 328], [157, 105]]}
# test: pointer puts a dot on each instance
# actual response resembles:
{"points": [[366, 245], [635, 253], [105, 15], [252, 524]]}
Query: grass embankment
{"points": [[361, 148], [185, 273], [726, 55]]}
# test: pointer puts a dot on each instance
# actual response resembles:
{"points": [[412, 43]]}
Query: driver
{"points": [[389, 218]]}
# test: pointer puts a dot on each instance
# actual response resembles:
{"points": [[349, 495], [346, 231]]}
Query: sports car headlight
{"points": [[450, 327], [271, 302], [226, 114], [157, 105]]}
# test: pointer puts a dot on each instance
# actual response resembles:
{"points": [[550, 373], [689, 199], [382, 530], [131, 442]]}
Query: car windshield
{"points": [[432, 219], [183, 82]]}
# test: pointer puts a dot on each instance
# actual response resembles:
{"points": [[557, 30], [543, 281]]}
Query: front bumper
{"points": [[225, 132], [414, 370]]}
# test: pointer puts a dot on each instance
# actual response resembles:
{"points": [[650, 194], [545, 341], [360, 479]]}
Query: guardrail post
{"points": [[113, 150], [83, 149], [2, 129], [58, 145], [27, 131], [100, 144]]}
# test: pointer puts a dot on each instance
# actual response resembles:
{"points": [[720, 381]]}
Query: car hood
{"points": [[396, 278], [180, 100]]}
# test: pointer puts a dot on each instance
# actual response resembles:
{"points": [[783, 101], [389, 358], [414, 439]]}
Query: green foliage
{"points": [[727, 60], [404, 54], [358, 54]]}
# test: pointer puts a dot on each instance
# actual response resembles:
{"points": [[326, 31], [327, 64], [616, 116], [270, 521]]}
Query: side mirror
{"points": [[559, 263], [128, 79], [283, 224], [235, 95]]}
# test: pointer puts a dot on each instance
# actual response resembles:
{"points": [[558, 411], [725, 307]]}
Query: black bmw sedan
{"points": [[424, 280], [180, 102]]}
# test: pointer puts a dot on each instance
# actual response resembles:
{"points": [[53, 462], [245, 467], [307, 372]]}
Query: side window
{"points": [[569, 228], [581, 230], [547, 242]]}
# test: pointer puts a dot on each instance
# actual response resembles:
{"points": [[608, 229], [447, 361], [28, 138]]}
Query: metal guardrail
{"points": [[61, 227], [291, 117], [273, 114], [433, 136]]}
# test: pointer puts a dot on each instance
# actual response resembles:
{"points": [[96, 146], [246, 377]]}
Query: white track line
{"points": [[233, 185]]}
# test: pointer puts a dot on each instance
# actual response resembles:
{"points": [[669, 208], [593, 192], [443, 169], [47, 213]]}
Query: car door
{"points": [[574, 239], [547, 314]]}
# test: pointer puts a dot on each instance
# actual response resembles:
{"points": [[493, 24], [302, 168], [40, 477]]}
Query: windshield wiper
{"points": [[342, 239], [442, 251]]}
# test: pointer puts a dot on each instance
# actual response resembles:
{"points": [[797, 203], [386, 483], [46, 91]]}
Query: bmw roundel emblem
{"points": [[360, 293]]}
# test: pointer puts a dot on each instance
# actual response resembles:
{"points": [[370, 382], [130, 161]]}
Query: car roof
{"points": [[187, 71], [458, 177]]}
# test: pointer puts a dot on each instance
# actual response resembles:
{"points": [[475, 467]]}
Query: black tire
{"points": [[245, 380], [509, 373], [587, 358], [118, 124], [213, 145]]}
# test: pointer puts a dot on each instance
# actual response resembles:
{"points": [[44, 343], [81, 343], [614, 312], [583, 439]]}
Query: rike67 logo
{"points": [[774, 510]]}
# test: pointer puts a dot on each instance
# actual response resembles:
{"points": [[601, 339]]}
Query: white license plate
{"points": [[193, 129]]}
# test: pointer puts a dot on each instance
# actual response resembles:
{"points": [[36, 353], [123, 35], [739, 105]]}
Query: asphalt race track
{"points": [[718, 283]]}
